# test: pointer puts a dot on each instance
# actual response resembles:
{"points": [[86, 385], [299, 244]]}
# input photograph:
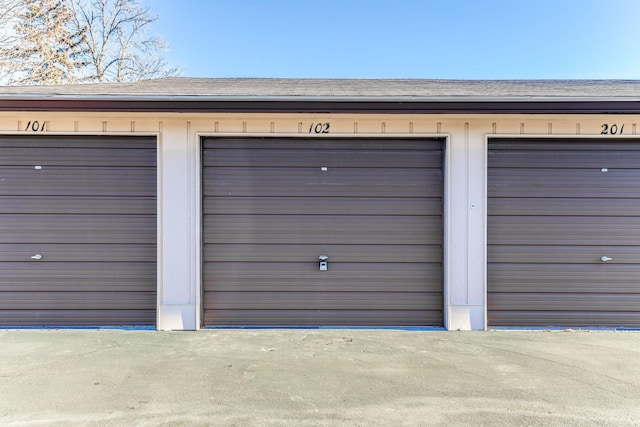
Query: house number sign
{"points": [[612, 129], [319, 127], [35, 126]]}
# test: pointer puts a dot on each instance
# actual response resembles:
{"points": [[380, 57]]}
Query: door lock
{"points": [[323, 262]]}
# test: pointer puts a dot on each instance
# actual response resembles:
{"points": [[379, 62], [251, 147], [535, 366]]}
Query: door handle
{"points": [[605, 258], [37, 257]]}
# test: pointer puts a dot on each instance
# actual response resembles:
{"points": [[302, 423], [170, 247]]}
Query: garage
{"points": [[77, 231], [322, 232], [564, 232]]}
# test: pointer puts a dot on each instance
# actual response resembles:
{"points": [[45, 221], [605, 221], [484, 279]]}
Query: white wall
{"points": [[179, 171]]}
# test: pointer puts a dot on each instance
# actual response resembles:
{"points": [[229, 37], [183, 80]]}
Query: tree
{"points": [[117, 47], [42, 49], [9, 10], [67, 41]]}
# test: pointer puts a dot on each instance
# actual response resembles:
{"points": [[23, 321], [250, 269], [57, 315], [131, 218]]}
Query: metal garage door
{"points": [[77, 231], [272, 207], [564, 233]]}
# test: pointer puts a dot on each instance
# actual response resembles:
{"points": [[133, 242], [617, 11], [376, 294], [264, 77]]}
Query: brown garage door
{"points": [[273, 206], [564, 233], [77, 231]]}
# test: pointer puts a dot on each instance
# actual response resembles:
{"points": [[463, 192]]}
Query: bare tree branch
{"points": [[118, 46], [41, 50], [9, 11], [62, 41]]}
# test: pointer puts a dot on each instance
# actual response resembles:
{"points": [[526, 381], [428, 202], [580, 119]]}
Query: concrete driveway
{"points": [[319, 377]]}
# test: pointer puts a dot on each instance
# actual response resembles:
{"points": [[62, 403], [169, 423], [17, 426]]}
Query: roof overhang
{"points": [[398, 105]]}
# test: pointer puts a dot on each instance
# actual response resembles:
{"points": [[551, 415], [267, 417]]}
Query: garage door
{"points": [[564, 233], [272, 207], [77, 231]]}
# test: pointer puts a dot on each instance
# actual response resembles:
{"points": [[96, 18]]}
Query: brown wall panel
{"points": [[270, 211]]}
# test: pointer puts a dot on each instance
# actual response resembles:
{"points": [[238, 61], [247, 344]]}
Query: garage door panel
{"points": [[579, 191], [77, 300], [556, 207], [60, 271], [567, 319], [80, 253], [341, 277], [77, 205], [294, 318], [315, 183], [270, 211], [86, 207], [528, 183], [66, 318], [574, 159], [589, 278], [304, 253], [55, 142], [326, 143], [77, 229], [556, 230], [324, 301], [545, 254], [324, 157], [565, 302], [315, 230], [77, 182], [85, 156], [563, 206], [572, 145], [37, 276], [321, 206]]}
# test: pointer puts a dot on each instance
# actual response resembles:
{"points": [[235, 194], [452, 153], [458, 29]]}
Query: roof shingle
{"points": [[330, 89]]}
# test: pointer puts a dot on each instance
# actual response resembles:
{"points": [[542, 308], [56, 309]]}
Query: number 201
{"points": [[611, 129]]}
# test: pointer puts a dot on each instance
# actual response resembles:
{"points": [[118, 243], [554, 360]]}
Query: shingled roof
{"points": [[332, 95]]}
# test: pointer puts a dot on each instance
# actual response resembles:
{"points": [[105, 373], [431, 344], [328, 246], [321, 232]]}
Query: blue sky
{"points": [[458, 39]]}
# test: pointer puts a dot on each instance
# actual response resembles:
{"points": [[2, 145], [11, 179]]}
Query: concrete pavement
{"points": [[319, 377]]}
